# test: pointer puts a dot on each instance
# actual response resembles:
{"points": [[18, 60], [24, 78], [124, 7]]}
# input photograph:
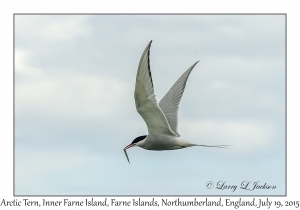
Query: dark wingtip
{"points": [[148, 47], [150, 43], [191, 68]]}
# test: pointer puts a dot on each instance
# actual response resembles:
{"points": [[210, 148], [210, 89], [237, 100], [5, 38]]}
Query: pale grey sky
{"points": [[75, 111]]}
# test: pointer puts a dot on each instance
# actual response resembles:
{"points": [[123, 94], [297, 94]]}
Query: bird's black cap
{"points": [[137, 139]]}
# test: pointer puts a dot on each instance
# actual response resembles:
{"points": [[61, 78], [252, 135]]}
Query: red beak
{"points": [[128, 146]]}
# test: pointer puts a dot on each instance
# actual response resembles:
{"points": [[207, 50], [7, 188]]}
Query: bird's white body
{"points": [[161, 118], [163, 142]]}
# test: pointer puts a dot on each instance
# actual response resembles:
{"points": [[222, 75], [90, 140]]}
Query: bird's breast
{"points": [[161, 142]]}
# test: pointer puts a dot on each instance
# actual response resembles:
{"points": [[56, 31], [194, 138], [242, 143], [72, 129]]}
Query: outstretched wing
{"points": [[169, 104], [145, 100]]}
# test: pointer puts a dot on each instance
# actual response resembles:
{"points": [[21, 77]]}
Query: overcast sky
{"points": [[75, 110]]}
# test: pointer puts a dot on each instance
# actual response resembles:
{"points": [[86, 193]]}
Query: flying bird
{"points": [[161, 118]]}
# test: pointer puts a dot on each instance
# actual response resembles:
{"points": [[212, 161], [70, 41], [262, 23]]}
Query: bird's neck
{"points": [[140, 143]]}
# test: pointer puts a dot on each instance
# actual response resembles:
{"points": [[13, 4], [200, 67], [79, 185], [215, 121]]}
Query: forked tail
{"points": [[185, 143], [218, 146]]}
